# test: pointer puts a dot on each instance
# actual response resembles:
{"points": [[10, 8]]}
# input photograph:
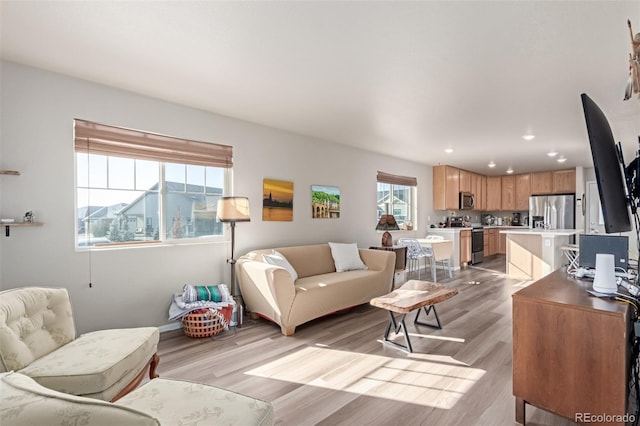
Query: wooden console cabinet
{"points": [[571, 351], [401, 255]]}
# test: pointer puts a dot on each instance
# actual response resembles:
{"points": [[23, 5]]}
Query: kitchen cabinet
{"points": [[485, 236], [493, 241], [494, 193], [571, 351], [446, 188], [564, 181], [465, 181], [465, 247], [478, 190], [508, 185], [541, 183], [523, 191], [502, 243], [557, 182]]}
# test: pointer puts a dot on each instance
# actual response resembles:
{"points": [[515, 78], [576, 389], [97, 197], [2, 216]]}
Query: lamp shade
{"points": [[387, 223], [233, 209]]}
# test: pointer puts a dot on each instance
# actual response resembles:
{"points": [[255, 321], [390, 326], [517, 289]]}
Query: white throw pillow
{"points": [[346, 257], [277, 258]]}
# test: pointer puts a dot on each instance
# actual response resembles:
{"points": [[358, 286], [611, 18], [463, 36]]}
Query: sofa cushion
{"points": [[278, 259], [309, 260], [96, 361], [176, 402], [33, 322], [24, 402], [346, 257]]}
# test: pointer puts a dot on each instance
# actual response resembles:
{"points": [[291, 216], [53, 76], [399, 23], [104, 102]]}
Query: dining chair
{"points": [[442, 252], [415, 252]]}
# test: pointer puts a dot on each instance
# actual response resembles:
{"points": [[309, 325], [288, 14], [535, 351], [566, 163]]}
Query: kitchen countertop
{"points": [[483, 226], [542, 232]]}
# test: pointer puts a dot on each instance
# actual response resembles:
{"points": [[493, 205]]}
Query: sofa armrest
{"points": [[266, 289], [378, 260]]}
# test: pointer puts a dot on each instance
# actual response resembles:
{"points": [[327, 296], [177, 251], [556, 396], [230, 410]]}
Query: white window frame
{"points": [[116, 142]]}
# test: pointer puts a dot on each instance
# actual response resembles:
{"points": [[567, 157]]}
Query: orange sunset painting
{"points": [[277, 200]]}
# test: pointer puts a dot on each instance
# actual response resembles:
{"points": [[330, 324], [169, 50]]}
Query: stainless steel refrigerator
{"points": [[552, 211]]}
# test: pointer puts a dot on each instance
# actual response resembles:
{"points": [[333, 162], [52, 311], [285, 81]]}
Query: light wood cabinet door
{"points": [[483, 196], [485, 236], [476, 190], [446, 188], [494, 193], [541, 183], [564, 181], [465, 181], [493, 241], [508, 184], [453, 188], [523, 191], [465, 247], [439, 191]]}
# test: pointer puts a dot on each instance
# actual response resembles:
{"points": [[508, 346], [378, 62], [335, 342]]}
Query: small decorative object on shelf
{"points": [[387, 223], [28, 217]]}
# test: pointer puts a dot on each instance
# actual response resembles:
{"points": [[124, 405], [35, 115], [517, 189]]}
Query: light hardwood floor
{"points": [[336, 370]]}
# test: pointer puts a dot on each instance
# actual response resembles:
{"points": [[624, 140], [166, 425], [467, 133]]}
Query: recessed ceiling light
{"points": [[448, 150], [552, 153], [492, 164], [528, 137], [509, 170], [561, 160]]}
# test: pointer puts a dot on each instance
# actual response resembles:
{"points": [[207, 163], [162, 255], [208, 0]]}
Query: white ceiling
{"points": [[407, 79]]}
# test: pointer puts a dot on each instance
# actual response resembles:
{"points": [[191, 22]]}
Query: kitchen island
{"points": [[534, 253]]}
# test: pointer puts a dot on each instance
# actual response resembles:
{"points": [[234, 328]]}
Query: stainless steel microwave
{"points": [[466, 201]]}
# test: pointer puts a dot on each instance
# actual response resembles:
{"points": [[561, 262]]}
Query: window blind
{"points": [[396, 179], [94, 138]]}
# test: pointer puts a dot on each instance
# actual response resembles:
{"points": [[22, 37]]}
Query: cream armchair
{"points": [[38, 339]]}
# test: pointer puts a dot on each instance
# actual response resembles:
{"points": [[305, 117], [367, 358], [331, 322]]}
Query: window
{"points": [[397, 196], [140, 187]]}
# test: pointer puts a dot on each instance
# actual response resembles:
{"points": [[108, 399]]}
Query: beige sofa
{"points": [[38, 339], [23, 402], [269, 290]]}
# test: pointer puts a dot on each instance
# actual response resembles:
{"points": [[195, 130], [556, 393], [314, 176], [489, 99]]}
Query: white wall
{"points": [[133, 286]]}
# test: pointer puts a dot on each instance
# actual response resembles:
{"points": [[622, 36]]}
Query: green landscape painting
{"points": [[325, 202]]}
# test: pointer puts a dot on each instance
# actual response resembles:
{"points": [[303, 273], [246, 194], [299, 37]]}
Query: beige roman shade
{"points": [[396, 179], [102, 139]]}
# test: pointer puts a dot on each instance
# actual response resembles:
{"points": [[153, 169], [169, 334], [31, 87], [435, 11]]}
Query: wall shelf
{"points": [[7, 226]]}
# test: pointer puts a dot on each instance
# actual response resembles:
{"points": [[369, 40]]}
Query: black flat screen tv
{"points": [[611, 182]]}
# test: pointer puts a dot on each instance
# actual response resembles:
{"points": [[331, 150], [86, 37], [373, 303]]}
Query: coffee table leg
{"points": [[397, 327], [426, 311]]}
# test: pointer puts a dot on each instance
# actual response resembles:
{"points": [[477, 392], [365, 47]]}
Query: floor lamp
{"points": [[232, 210]]}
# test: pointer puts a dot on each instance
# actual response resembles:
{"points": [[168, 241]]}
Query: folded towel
{"points": [[179, 307], [193, 293]]}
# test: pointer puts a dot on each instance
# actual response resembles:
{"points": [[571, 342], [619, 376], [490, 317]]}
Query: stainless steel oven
{"points": [[477, 245]]}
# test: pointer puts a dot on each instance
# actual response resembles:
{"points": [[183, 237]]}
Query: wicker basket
{"points": [[203, 323]]}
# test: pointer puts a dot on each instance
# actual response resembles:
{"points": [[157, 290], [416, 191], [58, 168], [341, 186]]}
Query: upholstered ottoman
{"points": [[158, 402]]}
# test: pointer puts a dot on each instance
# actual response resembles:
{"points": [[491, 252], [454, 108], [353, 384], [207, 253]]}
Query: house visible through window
{"points": [[139, 187], [396, 195]]}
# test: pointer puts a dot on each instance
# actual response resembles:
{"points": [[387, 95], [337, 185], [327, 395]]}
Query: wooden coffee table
{"points": [[413, 295]]}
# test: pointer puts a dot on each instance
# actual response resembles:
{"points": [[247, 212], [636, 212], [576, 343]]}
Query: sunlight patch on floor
{"points": [[430, 336], [434, 381]]}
